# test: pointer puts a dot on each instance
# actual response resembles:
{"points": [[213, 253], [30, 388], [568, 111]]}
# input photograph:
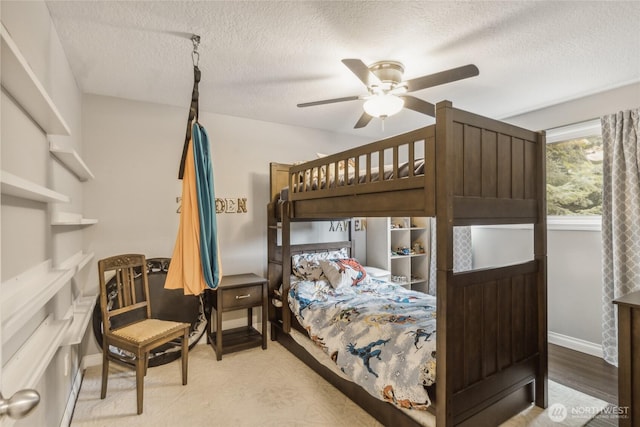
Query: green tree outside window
{"points": [[574, 177]]}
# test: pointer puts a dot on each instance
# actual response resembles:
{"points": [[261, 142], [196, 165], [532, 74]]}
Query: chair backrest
{"points": [[124, 290]]}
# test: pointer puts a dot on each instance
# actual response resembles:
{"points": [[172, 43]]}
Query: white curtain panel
{"points": [[462, 252], [620, 218]]}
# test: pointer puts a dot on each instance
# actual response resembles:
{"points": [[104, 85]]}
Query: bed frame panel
{"points": [[492, 330], [492, 348]]}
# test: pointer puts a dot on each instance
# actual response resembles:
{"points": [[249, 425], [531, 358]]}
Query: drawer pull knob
{"points": [[243, 296]]}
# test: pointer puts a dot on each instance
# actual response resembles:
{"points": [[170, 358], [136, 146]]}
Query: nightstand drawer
{"points": [[246, 296]]}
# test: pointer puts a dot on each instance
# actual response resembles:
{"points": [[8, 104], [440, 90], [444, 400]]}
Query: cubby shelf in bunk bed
{"points": [[388, 236], [492, 330]]}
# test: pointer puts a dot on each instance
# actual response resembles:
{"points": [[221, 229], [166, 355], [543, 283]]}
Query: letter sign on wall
{"points": [[238, 205]]}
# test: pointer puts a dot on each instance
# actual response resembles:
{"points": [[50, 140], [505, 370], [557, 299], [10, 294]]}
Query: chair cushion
{"points": [[148, 329]]}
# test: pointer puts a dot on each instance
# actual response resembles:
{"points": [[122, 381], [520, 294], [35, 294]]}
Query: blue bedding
{"points": [[379, 334]]}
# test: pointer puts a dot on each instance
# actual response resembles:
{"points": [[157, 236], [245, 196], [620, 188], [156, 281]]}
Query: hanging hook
{"points": [[195, 55]]}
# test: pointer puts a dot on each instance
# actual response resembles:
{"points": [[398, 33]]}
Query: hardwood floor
{"points": [[588, 374]]}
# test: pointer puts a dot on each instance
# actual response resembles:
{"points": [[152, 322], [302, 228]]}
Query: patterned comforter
{"points": [[380, 335]]}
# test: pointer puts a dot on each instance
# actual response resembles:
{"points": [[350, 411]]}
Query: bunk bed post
{"points": [[272, 262], [540, 254], [286, 264], [444, 259]]}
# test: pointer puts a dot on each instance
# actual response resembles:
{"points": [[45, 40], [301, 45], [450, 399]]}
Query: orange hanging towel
{"points": [[185, 270]]}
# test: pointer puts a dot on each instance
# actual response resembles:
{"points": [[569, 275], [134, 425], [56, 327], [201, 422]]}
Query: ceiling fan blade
{"points": [[363, 121], [329, 101], [361, 71], [442, 77], [416, 104]]}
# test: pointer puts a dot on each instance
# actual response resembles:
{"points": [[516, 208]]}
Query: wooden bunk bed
{"points": [[492, 323]]}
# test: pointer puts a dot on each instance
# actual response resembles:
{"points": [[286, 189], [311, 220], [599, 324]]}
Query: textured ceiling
{"points": [[260, 59]]}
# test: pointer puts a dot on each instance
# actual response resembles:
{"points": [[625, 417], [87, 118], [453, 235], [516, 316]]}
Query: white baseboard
{"points": [[71, 402], [576, 344], [91, 360]]}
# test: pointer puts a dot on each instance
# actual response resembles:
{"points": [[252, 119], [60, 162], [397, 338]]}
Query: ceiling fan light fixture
{"points": [[385, 105]]}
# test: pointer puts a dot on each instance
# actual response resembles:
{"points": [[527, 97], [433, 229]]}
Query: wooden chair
{"points": [[127, 321]]}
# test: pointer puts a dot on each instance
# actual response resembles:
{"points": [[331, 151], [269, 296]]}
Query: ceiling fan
{"points": [[388, 92]]}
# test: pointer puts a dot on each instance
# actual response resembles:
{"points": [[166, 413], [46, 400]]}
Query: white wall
{"points": [[134, 149], [26, 235], [574, 257], [574, 272]]}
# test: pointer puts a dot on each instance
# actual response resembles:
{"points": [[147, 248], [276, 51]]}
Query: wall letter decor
{"points": [[238, 205]]}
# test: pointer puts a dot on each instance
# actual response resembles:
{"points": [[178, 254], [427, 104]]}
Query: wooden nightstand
{"points": [[236, 292]]}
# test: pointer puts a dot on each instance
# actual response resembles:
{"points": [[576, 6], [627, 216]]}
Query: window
{"points": [[574, 176]]}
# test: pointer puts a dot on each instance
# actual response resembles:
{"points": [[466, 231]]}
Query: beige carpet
{"points": [[247, 389]]}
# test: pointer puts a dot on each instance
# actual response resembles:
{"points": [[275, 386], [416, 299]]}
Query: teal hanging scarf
{"points": [[206, 206]]}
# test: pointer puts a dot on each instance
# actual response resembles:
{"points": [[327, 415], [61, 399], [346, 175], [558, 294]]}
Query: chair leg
{"points": [[105, 370], [185, 356], [146, 363], [140, 370]]}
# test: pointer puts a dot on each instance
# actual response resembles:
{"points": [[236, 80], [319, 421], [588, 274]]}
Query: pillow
{"points": [[306, 266], [377, 272], [351, 162], [343, 272], [307, 270]]}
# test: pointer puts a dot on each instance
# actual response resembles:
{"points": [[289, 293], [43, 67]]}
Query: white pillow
{"points": [[376, 272], [343, 272]]}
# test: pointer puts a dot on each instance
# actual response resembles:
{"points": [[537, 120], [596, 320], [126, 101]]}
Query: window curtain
{"points": [[620, 219], [462, 252]]}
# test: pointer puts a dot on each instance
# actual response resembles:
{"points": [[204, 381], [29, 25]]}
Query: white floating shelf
{"points": [[24, 86], [76, 262], [67, 218], [27, 365], [82, 221], [28, 292], [80, 312], [19, 187], [71, 159]]}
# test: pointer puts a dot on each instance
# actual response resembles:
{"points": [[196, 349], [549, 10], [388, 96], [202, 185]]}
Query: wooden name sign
{"points": [[238, 205]]}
